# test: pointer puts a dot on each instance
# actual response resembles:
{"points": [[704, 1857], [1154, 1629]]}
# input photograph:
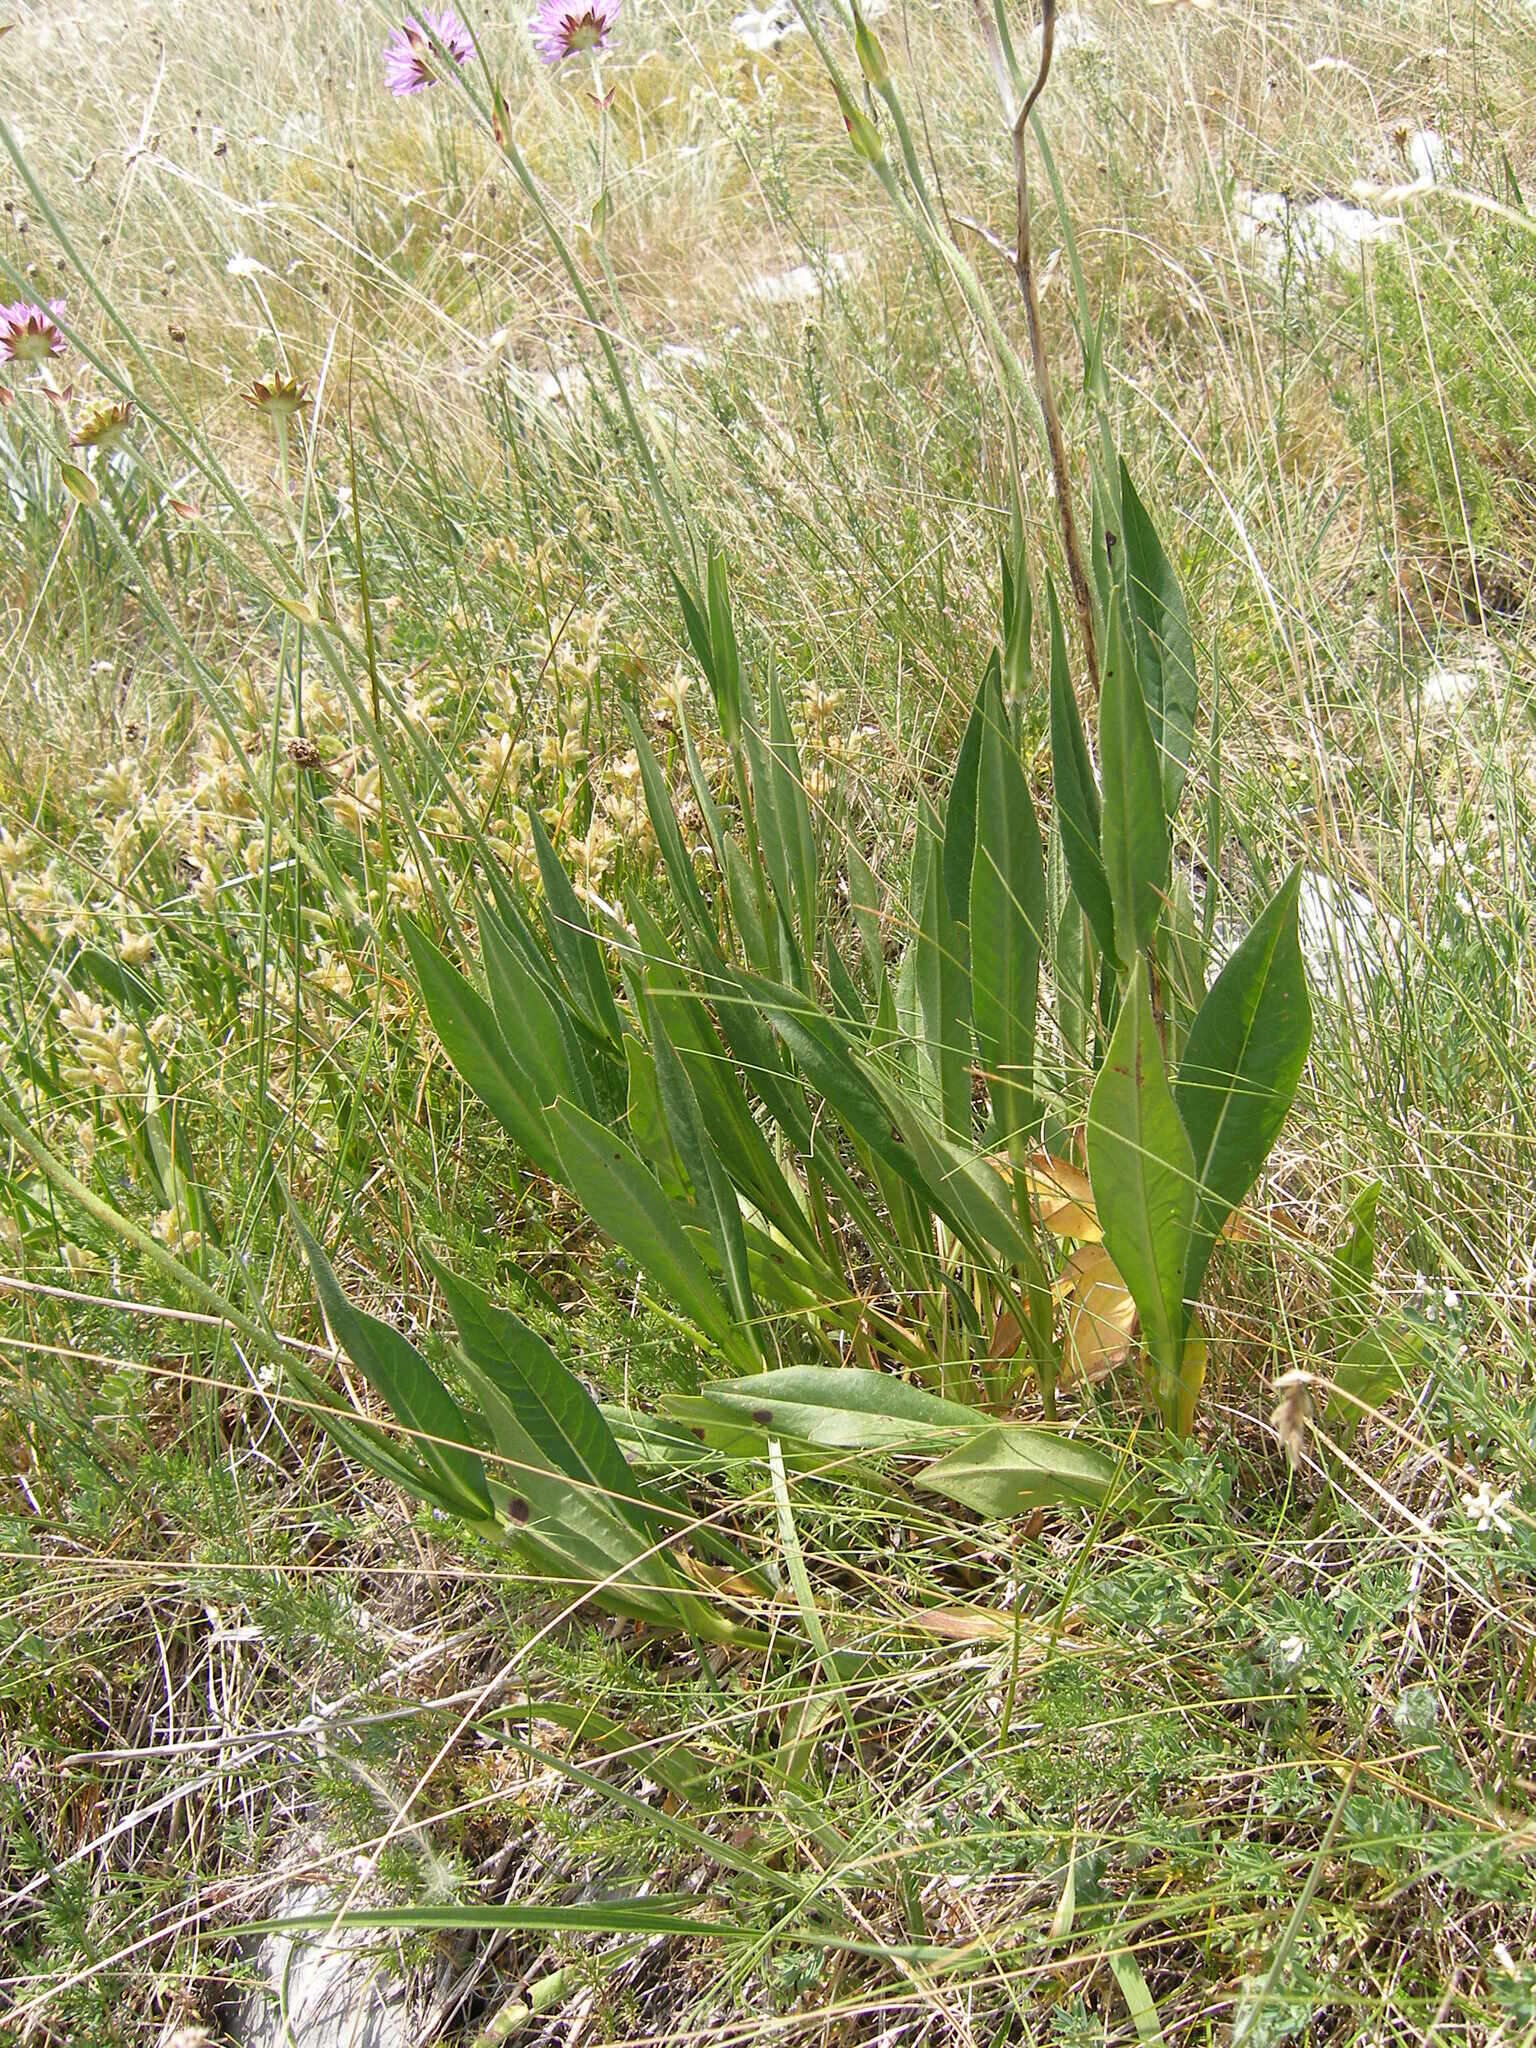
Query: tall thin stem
{"points": [[1023, 264]]}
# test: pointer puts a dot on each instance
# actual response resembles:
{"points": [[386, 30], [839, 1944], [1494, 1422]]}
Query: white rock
{"points": [[801, 282], [1428, 155], [320, 1993], [1074, 31], [1320, 231], [569, 385], [1346, 942], [760, 29]]}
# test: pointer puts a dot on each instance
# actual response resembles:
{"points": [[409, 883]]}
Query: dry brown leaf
{"points": [[1100, 1315]]}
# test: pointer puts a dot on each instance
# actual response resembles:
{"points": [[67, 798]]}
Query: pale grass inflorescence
{"points": [[336, 582]]}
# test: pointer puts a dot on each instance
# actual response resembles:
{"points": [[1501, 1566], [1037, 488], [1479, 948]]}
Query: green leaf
{"points": [[726, 672], [711, 1183], [574, 943], [547, 1399], [942, 988], [1135, 845], [481, 1057], [1077, 793], [960, 810], [1127, 1973], [843, 1408], [530, 1025], [1009, 1468], [417, 1398], [1007, 920], [1143, 1175], [1354, 1267], [794, 816], [669, 838], [1165, 655], [647, 1125], [697, 626], [1246, 1049], [624, 1200]]}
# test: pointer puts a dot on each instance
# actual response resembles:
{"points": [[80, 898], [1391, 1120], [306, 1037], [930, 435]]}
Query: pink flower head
{"points": [[410, 61], [562, 28], [29, 334]]}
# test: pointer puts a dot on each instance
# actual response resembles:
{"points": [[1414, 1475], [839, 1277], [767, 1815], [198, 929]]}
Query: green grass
{"points": [[1268, 1758]]}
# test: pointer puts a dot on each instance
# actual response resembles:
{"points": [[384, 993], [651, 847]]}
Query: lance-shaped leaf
{"points": [[726, 670], [1009, 1468], [1077, 793], [530, 1023], [712, 1186], [794, 815], [1165, 655], [1143, 1175], [416, 1397], [845, 1408], [1007, 918], [573, 940], [1242, 1063], [624, 1200], [960, 810], [481, 1057], [669, 838], [546, 1398], [1134, 835], [941, 987]]}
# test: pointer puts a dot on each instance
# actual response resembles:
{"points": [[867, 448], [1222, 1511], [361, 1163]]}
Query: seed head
{"points": [[104, 426], [278, 396]]}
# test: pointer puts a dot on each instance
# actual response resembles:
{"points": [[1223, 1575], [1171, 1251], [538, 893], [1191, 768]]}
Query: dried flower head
{"points": [[103, 426], [410, 59], [1292, 1413], [30, 334], [564, 28], [278, 396]]}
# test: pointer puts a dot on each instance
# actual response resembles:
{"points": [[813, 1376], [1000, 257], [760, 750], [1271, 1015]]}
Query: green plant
{"points": [[818, 1156]]}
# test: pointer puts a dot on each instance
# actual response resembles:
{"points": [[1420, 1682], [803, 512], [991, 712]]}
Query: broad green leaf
{"points": [[845, 1408], [1134, 837], [481, 1057], [548, 1400], [1007, 1468], [1077, 793], [530, 1025], [1143, 1175], [712, 1186], [1127, 1973], [1016, 671], [1241, 1068], [624, 1200], [1376, 1365], [647, 1126], [942, 989], [1007, 919], [1165, 655], [416, 1397], [574, 943]]}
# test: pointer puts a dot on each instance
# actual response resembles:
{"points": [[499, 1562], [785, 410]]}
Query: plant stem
{"points": [[1023, 263]]}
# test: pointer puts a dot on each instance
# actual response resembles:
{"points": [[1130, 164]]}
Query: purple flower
{"points": [[28, 333], [409, 58], [561, 28]]}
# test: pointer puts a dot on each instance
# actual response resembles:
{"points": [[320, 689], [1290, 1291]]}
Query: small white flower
{"points": [[1452, 1300], [241, 265], [1293, 1651], [1485, 1508]]}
